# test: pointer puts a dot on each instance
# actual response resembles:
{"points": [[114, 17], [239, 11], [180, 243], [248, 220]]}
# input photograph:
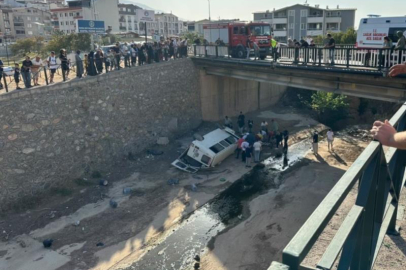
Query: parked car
{"points": [[209, 152], [8, 71]]}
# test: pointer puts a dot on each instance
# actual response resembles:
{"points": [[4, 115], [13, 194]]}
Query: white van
{"points": [[215, 147], [371, 31]]}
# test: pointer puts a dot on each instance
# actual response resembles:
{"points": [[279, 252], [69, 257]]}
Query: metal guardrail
{"points": [[342, 56], [356, 244]]}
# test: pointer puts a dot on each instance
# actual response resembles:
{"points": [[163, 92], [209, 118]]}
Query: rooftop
{"points": [[308, 6]]}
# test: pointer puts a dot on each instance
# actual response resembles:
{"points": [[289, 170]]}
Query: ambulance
{"points": [[371, 31]]}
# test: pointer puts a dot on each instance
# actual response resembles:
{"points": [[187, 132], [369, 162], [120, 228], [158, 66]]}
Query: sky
{"points": [[243, 9]]}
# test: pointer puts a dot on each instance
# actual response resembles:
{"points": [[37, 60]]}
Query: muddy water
{"points": [[191, 238]]}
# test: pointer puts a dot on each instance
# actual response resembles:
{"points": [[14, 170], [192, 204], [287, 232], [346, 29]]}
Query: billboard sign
{"points": [[146, 15], [86, 26]]}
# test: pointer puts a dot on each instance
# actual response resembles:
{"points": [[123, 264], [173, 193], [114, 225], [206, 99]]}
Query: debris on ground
{"points": [[22, 243], [47, 243], [113, 203], [103, 182], [194, 188], [173, 182], [77, 223], [223, 179], [100, 244], [127, 191], [163, 141]]}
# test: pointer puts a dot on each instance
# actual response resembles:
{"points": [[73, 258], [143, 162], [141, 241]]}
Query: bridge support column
{"points": [[221, 96]]}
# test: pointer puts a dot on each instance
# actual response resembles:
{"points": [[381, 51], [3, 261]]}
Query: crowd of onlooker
{"points": [[95, 62]]}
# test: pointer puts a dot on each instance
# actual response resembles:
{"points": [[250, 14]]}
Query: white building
{"points": [[64, 18], [167, 25]]}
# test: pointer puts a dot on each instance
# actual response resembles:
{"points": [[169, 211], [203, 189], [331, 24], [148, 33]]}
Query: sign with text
{"points": [[86, 26], [145, 15]]}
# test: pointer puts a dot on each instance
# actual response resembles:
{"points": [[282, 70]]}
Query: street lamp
{"points": [[209, 11]]}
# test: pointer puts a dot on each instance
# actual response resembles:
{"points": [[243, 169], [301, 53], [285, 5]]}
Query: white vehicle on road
{"points": [[371, 31], [214, 147]]}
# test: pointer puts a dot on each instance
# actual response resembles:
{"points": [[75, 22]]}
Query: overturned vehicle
{"points": [[208, 151]]}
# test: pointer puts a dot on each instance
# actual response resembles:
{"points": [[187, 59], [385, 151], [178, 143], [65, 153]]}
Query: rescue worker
{"points": [[274, 49]]}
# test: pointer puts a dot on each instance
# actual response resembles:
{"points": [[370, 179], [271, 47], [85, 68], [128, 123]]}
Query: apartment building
{"points": [[30, 22], [64, 18], [299, 21], [129, 17], [168, 25], [7, 23]]}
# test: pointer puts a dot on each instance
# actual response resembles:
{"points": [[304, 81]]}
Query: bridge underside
{"points": [[365, 84]]}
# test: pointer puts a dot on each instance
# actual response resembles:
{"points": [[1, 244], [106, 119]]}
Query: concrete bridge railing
{"points": [[344, 56], [381, 177]]}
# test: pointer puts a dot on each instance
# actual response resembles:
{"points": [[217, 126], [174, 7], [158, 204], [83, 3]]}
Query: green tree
{"points": [[347, 37], [192, 36], [24, 46], [329, 107], [71, 42]]}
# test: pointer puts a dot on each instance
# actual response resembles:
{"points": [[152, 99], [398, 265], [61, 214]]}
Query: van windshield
{"points": [[260, 30]]}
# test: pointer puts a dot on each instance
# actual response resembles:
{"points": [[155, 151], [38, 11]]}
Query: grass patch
{"points": [[96, 174], [82, 182], [62, 191]]}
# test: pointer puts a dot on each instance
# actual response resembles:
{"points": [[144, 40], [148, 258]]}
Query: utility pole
{"points": [[146, 39]]}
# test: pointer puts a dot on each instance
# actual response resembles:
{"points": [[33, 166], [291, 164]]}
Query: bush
{"points": [[329, 107]]}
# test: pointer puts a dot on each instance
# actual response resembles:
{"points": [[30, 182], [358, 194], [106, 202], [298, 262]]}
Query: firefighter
{"points": [[274, 48]]}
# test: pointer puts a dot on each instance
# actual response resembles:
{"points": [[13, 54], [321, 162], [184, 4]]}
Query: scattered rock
{"points": [[103, 182], [198, 137], [47, 243], [173, 182], [100, 244], [197, 258], [127, 191], [113, 203], [194, 188], [223, 179], [28, 151], [163, 141], [22, 243], [77, 223]]}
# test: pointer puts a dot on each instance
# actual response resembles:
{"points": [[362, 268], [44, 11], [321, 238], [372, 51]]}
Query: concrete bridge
{"points": [[364, 83]]}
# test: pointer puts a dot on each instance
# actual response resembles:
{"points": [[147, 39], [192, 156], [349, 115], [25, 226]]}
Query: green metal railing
{"points": [[381, 177]]}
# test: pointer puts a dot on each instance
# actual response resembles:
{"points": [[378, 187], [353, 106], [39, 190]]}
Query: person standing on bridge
{"points": [[387, 135], [248, 47], [331, 45], [401, 45], [241, 122], [274, 48], [117, 55], [26, 71], [330, 140]]}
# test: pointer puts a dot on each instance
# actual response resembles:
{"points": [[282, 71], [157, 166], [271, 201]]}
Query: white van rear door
{"points": [[184, 167]]}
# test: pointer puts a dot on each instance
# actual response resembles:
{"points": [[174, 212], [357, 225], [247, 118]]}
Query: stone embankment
{"points": [[53, 134]]}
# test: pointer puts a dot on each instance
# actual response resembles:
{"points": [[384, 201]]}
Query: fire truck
{"points": [[235, 36]]}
